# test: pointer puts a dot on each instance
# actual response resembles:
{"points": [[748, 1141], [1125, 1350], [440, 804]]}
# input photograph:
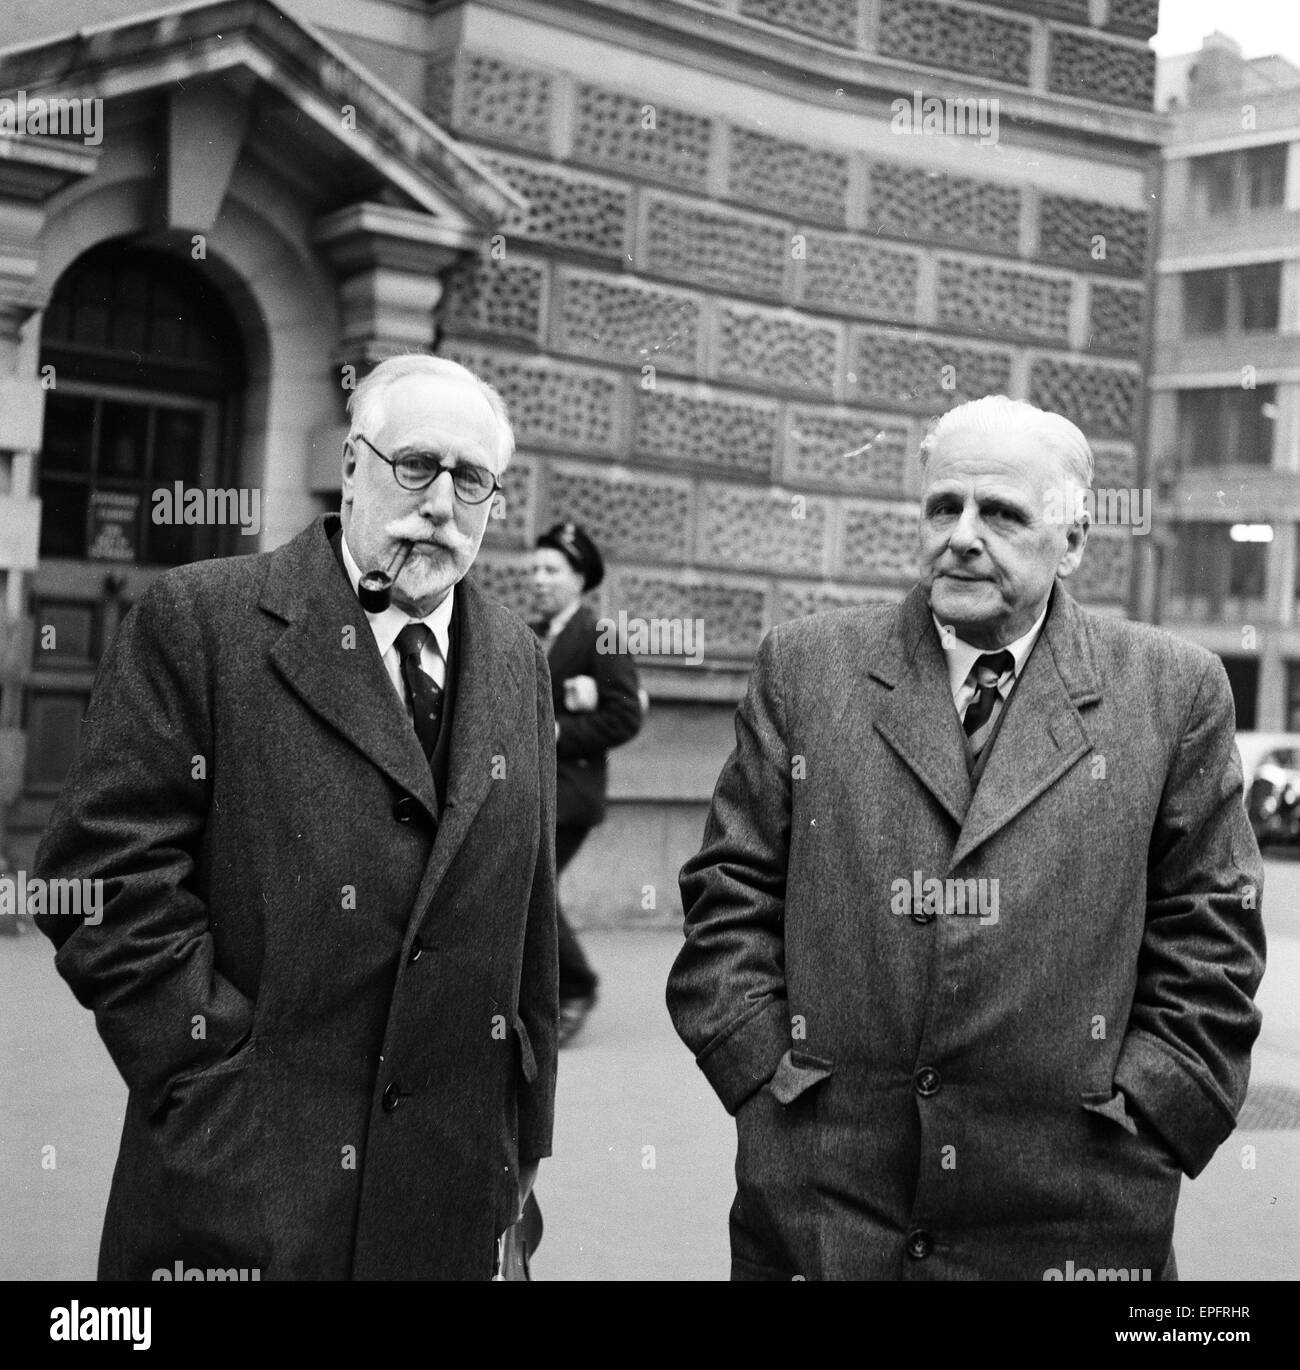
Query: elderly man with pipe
{"points": [[974, 936], [326, 966]]}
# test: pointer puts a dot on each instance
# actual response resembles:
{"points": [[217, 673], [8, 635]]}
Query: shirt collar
{"points": [[961, 656], [561, 620], [387, 625]]}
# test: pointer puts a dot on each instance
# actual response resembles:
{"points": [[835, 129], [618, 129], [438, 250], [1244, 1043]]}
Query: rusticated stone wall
{"points": [[722, 346]]}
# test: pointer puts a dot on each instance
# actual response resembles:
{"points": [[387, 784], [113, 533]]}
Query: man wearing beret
{"points": [[596, 708]]}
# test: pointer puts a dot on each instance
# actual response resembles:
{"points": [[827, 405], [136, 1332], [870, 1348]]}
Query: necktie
{"points": [[982, 710], [424, 694]]}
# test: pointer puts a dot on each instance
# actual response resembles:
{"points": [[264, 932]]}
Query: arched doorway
{"points": [[148, 374]]}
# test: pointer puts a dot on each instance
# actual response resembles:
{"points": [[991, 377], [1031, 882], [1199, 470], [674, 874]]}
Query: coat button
{"points": [[923, 911], [919, 1244], [406, 809], [927, 1081], [392, 1097], [417, 950]]}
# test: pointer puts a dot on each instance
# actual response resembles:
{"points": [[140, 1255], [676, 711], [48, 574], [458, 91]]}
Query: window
{"points": [[1259, 289], [148, 359], [1205, 302], [1240, 299], [1239, 182], [1266, 176], [1214, 577], [1227, 427]]}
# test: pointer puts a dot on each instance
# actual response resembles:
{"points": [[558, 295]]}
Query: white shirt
{"points": [[961, 658], [560, 622], [435, 657]]}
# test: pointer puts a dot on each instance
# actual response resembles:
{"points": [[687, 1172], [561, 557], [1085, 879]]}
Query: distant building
{"points": [[1225, 374], [725, 258]]}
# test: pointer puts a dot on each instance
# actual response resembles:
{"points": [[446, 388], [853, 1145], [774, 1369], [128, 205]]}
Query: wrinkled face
{"points": [[434, 416], [992, 539], [555, 583]]}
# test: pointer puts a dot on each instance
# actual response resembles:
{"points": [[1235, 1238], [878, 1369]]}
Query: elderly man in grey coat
{"points": [[973, 939], [326, 964]]}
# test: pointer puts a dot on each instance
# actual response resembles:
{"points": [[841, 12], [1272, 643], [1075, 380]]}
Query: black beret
{"points": [[578, 550]]}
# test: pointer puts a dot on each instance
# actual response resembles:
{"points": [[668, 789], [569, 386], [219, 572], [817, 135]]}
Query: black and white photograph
{"points": [[650, 642]]}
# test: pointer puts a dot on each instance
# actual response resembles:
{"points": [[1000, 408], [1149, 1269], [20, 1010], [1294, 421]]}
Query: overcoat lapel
{"points": [[1042, 734], [918, 719], [337, 674], [487, 700], [1040, 737]]}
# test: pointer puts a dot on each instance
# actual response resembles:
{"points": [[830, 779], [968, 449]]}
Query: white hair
{"points": [[998, 414], [365, 404]]}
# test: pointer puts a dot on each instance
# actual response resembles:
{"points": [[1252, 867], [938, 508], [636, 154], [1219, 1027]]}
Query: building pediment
{"points": [[303, 96]]}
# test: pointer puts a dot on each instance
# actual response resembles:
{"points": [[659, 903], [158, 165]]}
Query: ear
{"points": [[349, 468], [1076, 539]]}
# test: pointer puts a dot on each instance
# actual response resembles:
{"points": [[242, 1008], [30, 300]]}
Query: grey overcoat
{"points": [[334, 1007], [926, 1093]]}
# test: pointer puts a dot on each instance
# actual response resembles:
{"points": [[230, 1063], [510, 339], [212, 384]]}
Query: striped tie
{"points": [[982, 711]]}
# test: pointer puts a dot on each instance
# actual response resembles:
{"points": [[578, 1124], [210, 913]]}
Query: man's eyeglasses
{"points": [[473, 484]]}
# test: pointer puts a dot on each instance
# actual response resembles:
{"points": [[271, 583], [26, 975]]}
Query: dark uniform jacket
{"points": [[581, 771], [334, 1005]]}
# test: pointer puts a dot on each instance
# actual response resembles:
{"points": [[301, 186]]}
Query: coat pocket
{"points": [[527, 1061], [1131, 1184], [211, 1156]]}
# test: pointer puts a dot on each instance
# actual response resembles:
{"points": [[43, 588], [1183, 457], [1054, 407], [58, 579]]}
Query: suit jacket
{"points": [[581, 768], [334, 1008], [926, 1093]]}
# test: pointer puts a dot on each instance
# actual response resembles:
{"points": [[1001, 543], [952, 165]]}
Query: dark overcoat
{"points": [[334, 1006], [926, 1093], [585, 737]]}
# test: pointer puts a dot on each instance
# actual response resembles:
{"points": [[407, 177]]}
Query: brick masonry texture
{"points": [[858, 276], [735, 434], [945, 35], [717, 249], [733, 611], [916, 203], [834, 20], [1099, 69], [565, 208], [552, 405], [774, 349], [847, 450], [613, 319], [776, 173], [642, 137], [1102, 400], [763, 529], [923, 375], [999, 299], [1068, 227], [632, 517]]}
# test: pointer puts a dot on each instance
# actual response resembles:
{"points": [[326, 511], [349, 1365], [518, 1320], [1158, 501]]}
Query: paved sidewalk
{"points": [[641, 1181]]}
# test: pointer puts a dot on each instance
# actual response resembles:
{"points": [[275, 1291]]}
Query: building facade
{"points": [[725, 261], [1225, 382]]}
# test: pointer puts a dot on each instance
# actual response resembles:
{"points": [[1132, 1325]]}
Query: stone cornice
{"points": [[745, 49]]}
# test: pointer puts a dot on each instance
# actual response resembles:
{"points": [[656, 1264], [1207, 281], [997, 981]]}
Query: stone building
{"points": [[1225, 374], [725, 260]]}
